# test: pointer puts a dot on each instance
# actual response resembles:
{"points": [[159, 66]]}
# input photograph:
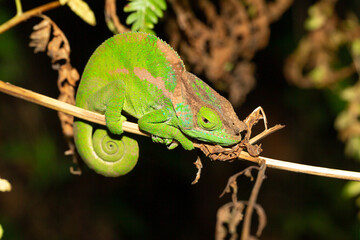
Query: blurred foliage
{"points": [[10, 63], [40, 157], [328, 58]]}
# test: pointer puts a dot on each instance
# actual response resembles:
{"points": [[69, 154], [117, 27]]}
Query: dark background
{"points": [[156, 200]]}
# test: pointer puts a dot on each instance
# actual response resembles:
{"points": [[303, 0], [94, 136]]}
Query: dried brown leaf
{"points": [[199, 166], [249, 175], [67, 76], [222, 217], [58, 49], [56, 52], [40, 36], [262, 219], [235, 219], [232, 180], [225, 38], [229, 215]]}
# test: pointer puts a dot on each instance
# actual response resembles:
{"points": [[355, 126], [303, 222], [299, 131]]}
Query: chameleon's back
{"points": [[117, 57]]}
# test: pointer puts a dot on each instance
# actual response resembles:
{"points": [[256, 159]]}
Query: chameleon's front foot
{"points": [[115, 127], [187, 144]]}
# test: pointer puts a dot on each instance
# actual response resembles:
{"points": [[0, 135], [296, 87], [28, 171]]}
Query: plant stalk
{"points": [[21, 17]]}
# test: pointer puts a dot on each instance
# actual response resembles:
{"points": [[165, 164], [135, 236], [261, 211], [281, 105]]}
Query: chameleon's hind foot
{"points": [[167, 141], [157, 139]]}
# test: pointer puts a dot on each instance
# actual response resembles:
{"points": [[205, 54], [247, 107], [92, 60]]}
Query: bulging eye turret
{"points": [[208, 119]]}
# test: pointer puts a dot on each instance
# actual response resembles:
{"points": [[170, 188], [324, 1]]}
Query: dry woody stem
{"points": [[245, 233], [133, 128], [28, 14]]}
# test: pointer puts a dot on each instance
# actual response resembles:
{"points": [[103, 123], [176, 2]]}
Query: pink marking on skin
{"points": [[144, 74], [119, 70]]}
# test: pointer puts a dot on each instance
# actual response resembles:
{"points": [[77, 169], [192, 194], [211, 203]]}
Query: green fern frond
{"points": [[144, 14]]}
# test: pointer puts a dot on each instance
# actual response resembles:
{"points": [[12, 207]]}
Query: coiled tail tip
{"points": [[107, 154]]}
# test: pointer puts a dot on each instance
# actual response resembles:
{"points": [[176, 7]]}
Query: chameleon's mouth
{"points": [[242, 134], [230, 139], [215, 137]]}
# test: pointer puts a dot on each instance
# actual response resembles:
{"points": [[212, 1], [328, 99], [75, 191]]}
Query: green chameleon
{"points": [[142, 76]]}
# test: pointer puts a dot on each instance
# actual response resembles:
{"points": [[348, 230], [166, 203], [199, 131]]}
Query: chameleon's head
{"points": [[205, 115], [213, 127]]}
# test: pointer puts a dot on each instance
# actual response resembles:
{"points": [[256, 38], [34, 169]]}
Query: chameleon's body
{"points": [[141, 75]]}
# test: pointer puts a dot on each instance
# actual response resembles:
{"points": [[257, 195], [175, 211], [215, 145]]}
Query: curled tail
{"points": [[108, 155]]}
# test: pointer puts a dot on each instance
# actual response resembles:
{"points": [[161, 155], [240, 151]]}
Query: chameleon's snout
{"points": [[239, 129], [239, 134], [236, 131]]}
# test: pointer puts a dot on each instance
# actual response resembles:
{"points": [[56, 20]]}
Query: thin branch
{"points": [[111, 18], [245, 233], [233, 178], [28, 14], [19, 10], [302, 168], [265, 133], [63, 107], [133, 128]]}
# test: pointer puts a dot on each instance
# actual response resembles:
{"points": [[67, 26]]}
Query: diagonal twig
{"points": [[133, 128], [28, 14]]}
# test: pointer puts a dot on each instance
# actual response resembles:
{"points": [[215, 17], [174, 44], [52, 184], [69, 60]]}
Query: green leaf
{"points": [[132, 18], [133, 6], [144, 14], [161, 4], [135, 26], [148, 22], [158, 12], [148, 25], [151, 16], [1, 231]]}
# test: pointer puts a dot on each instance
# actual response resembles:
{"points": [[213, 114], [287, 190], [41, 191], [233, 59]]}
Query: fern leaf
{"points": [[144, 14], [132, 18], [159, 6]]}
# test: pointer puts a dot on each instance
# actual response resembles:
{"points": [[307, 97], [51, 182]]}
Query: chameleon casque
{"points": [[140, 75]]}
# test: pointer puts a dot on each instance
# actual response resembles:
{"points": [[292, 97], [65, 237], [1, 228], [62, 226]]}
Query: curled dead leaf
{"points": [[227, 219], [222, 42], [40, 36], [48, 36]]}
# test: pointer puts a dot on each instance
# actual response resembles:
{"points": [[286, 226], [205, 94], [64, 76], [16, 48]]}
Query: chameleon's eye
{"points": [[208, 119]]}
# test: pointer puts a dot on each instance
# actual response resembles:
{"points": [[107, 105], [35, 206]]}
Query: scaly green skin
{"points": [[141, 75]]}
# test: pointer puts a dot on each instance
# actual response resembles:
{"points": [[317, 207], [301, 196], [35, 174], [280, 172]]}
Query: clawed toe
{"points": [[167, 141]]}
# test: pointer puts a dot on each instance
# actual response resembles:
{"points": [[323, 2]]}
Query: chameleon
{"points": [[138, 74]]}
